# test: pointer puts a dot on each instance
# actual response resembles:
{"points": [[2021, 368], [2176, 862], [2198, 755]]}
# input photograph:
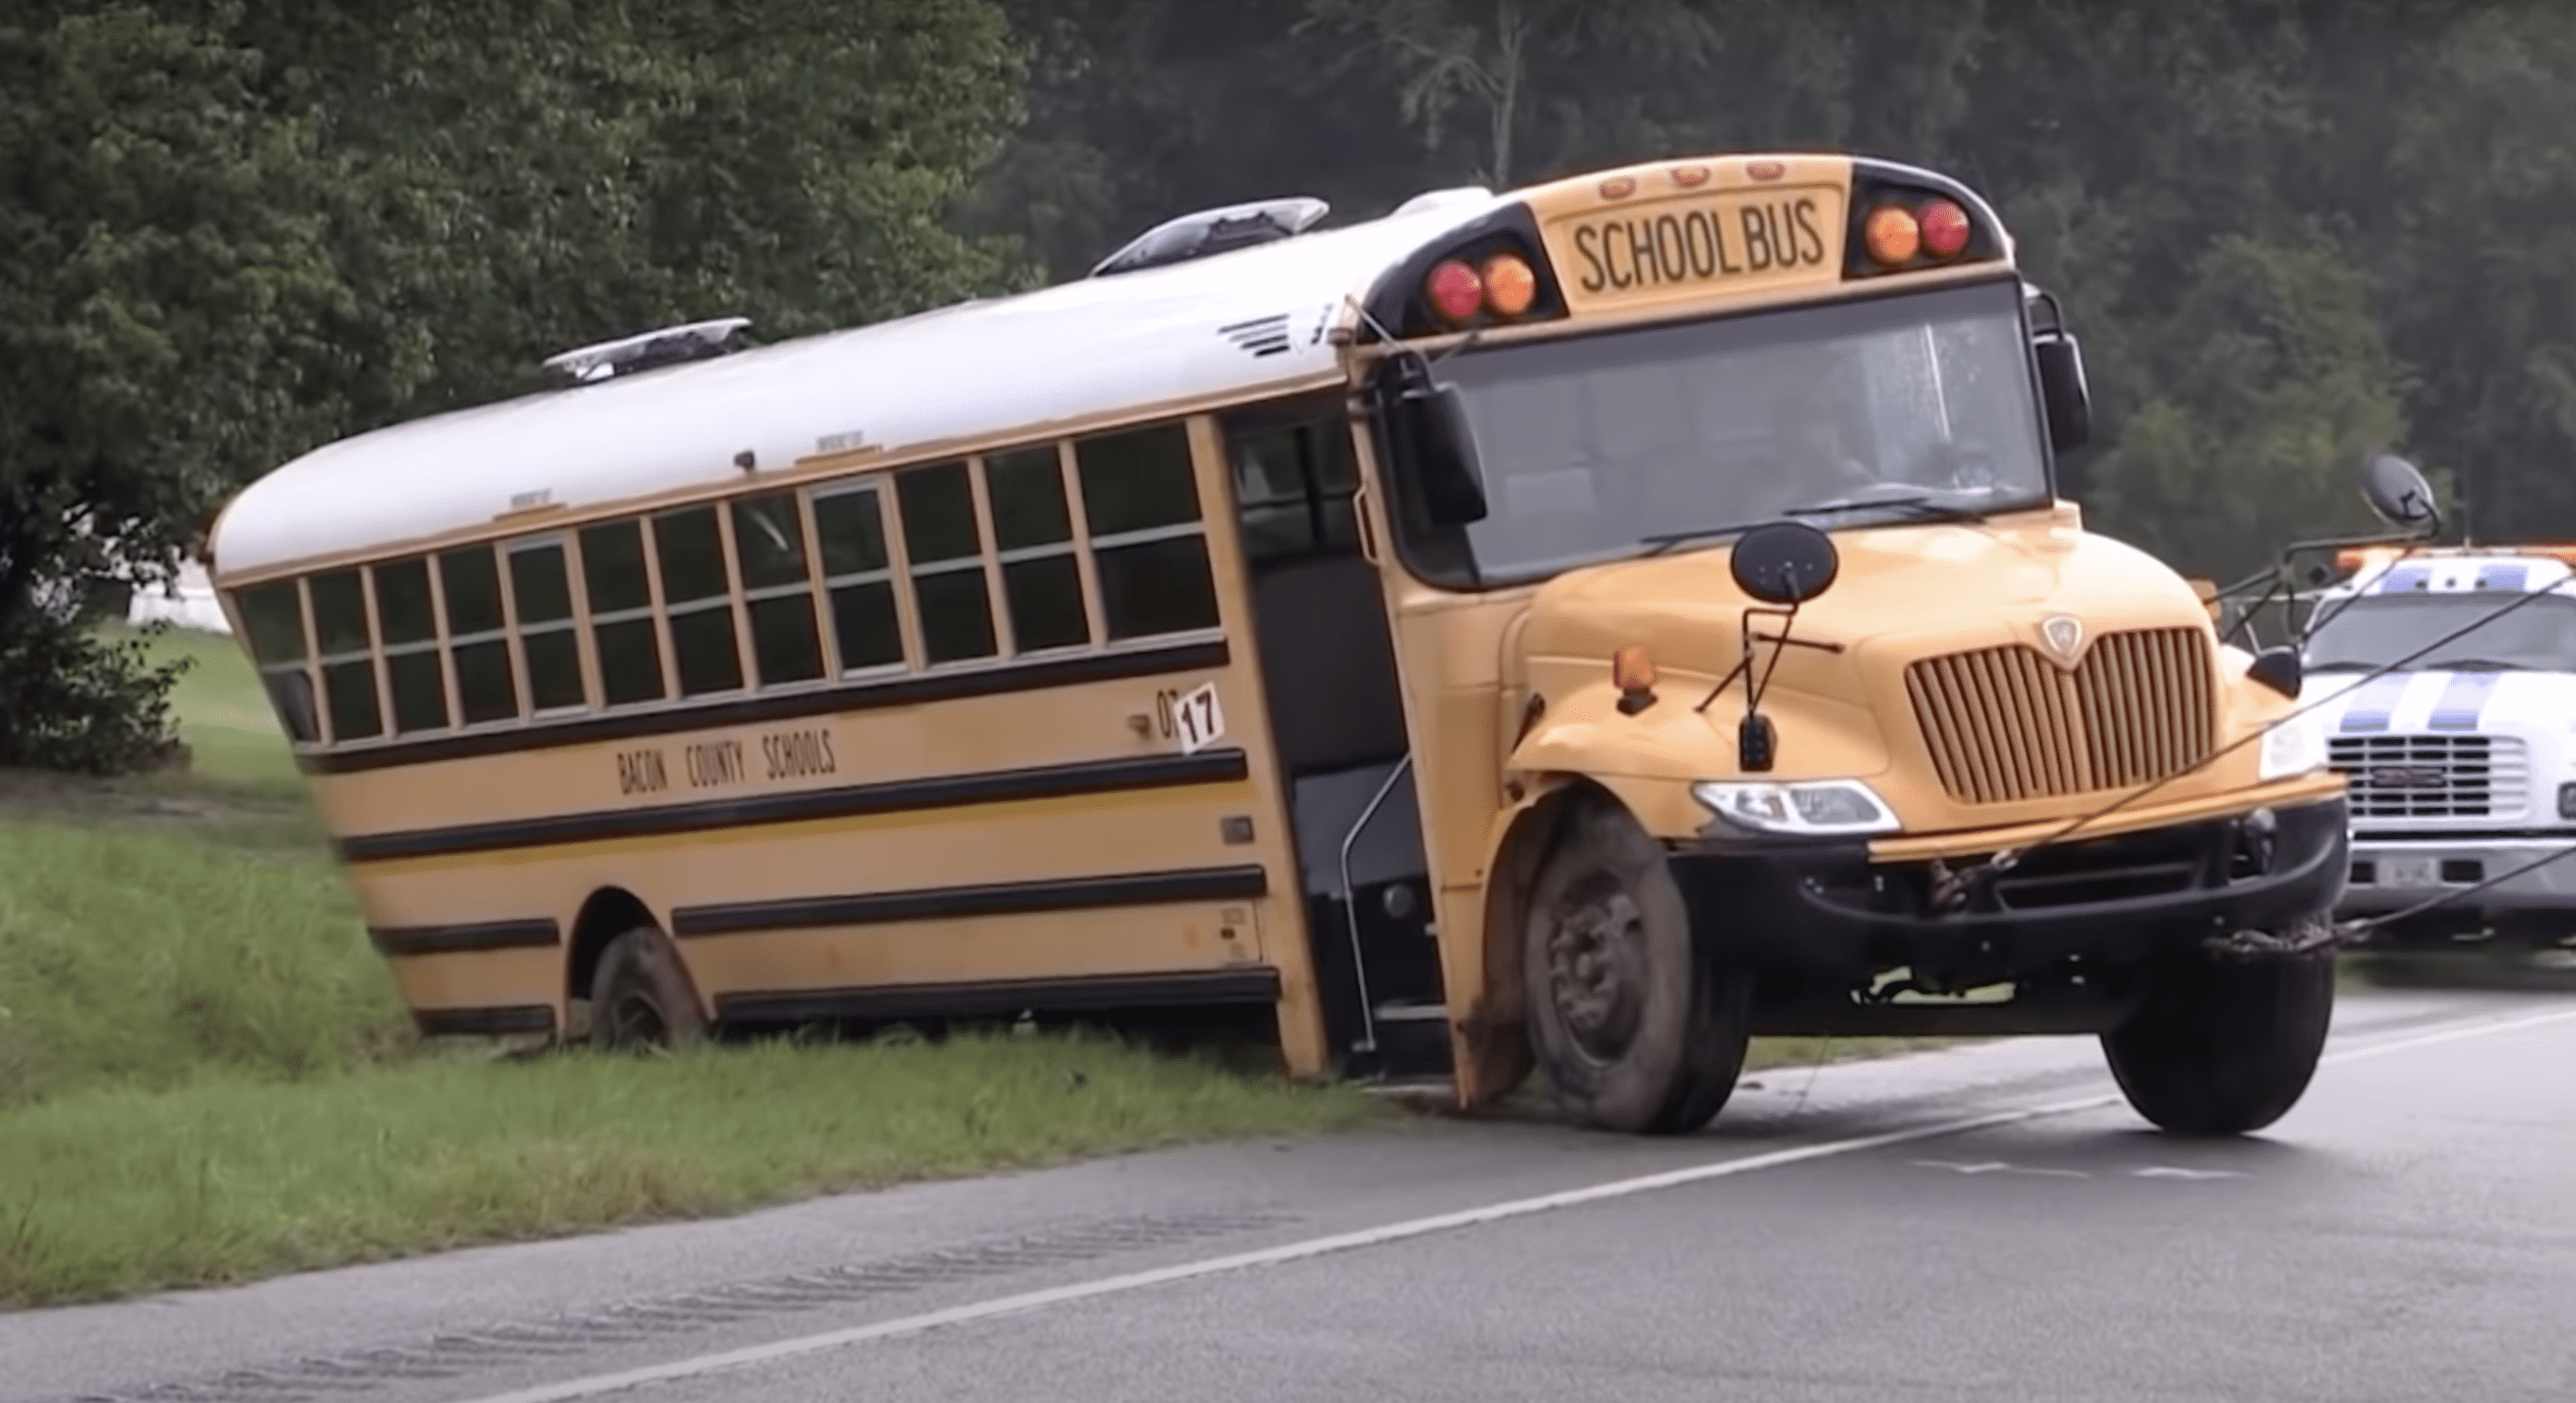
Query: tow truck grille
{"points": [[2433, 776], [2006, 724]]}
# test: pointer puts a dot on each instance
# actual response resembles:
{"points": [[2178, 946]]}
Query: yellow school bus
{"points": [[1574, 628]]}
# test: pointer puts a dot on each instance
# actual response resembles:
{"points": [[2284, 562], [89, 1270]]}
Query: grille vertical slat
{"points": [[2005, 724]]}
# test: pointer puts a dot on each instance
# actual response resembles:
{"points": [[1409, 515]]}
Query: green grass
{"points": [[113, 1191], [205, 1076]]}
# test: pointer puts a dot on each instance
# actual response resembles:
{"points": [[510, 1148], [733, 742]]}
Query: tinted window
{"points": [[273, 616], [420, 691], [852, 532], [692, 554], [340, 612], [1293, 485], [290, 691], [956, 615], [612, 567], [1045, 596], [541, 592], [538, 585], [770, 541], [702, 647], [472, 585], [350, 692], [1027, 492], [630, 661], [554, 671], [864, 626], [403, 612], [1157, 587], [938, 505], [483, 682], [1137, 481], [784, 642]]}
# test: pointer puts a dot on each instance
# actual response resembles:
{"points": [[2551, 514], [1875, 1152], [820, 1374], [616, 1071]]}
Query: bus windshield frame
{"points": [[1914, 404]]}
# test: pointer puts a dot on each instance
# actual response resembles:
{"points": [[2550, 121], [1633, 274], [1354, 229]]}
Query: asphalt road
{"points": [[1988, 1223]]}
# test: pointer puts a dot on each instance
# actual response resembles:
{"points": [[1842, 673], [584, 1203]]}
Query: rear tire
{"points": [[2226, 1046], [641, 997], [1638, 1030]]}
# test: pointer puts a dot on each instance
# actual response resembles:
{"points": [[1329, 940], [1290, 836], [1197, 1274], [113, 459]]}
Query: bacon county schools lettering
{"points": [[1700, 245], [716, 764]]}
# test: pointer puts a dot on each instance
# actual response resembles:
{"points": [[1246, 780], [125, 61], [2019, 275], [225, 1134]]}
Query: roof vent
{"points": [[1450, 198], [1213, 231], [644, 351]]}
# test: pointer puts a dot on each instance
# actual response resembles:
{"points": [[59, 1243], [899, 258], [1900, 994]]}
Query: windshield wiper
{"points": [[1665, 541], [1915, 508]]}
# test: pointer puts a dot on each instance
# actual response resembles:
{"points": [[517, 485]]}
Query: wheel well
{"points": [[1497, 1031], [610, 913]]}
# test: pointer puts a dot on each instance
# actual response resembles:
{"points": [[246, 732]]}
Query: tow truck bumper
{"points": [[2534, 902], [1823, 909]]}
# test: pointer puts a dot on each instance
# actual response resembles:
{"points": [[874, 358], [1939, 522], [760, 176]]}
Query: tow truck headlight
{"points": [[1815, 807], [2292, 747]]}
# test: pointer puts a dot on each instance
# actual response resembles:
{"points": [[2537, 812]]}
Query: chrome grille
{"points": [[2433, 776], [2006, 724]]}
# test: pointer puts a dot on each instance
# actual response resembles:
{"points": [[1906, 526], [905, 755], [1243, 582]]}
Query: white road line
{"points": [[703, 1364]]}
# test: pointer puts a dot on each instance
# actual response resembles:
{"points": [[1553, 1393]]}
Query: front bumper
{"points": [[1823, 908], [2393, 874]]}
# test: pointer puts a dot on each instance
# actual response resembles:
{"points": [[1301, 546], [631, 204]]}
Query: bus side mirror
{"points": [[1440, 447], [2063, 392]]}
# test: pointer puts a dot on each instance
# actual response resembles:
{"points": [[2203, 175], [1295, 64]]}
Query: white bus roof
{"points": [[1225, 324]]}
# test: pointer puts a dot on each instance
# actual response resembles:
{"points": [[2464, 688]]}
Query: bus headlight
{"points": [[2296, 746], [1814, 807]]}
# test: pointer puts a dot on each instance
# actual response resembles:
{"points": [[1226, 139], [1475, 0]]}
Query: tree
{"points": [[236, 233], [166, 305], [2484, 292], [2272, 380]]}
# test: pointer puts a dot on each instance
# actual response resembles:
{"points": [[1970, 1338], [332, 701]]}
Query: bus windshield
{"points": [[1895, 408], [2377, 630]]}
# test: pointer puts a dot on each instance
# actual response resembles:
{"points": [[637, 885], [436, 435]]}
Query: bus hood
{"points": [[1846, 709], [1994, 581]]}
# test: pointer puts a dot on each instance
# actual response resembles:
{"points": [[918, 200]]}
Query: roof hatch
{"points": [[1213, 231], [644, 351]]}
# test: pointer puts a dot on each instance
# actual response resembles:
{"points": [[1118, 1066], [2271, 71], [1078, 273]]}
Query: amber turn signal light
{"points": [[1632, 671], [1510, 286], [1892, 235]]}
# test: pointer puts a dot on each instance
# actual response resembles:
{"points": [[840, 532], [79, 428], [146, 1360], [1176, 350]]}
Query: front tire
{"points": [[1637, 1028], [2226, 1046], [641, 997]]}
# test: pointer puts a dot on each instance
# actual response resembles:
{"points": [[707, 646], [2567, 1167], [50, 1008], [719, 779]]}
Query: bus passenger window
{"points": [[407, 624], [478, 645], [273, 621], [348, 658], [1033, 530], [849, 529], [621, 613], [941, 537], [778, 589], [1146, 542], [697, 592], [541, 596]]}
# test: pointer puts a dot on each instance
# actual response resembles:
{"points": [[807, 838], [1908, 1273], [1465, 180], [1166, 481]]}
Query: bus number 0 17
{"points": [[1193, 717]]}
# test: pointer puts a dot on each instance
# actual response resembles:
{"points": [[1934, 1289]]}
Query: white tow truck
{"points": [[2462, 764]]}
